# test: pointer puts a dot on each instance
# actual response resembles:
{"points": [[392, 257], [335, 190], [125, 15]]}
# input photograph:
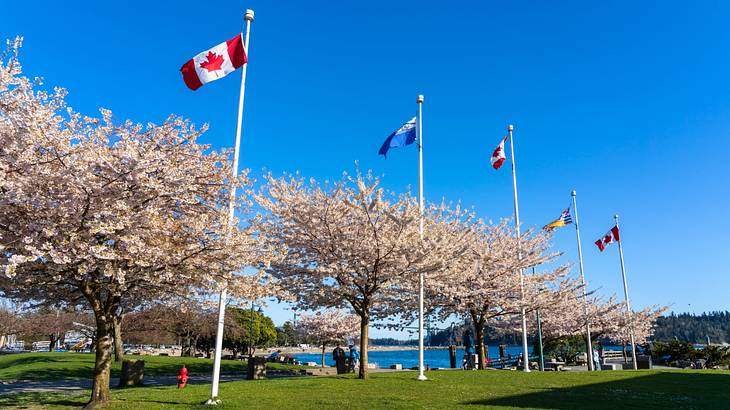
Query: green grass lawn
{"points": [[444, 390], [74, 366]]}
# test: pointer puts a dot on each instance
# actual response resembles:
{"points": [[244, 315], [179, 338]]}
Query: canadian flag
{"points": [[214, 63], [498, 156], [609, 238]]}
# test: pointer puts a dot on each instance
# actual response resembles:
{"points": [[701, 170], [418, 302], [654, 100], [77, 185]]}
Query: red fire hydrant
{"points": [[182, 378]]}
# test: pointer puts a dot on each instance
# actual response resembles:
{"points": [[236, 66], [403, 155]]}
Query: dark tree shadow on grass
{"points": [[664, 390], [33, 400], [52, 366], [71, 366]]}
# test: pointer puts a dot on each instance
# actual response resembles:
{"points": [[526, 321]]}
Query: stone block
{"points": [[132, 373], [256, 368]]}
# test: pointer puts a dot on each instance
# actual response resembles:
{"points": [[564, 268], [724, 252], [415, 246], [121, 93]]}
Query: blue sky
{"points": [[625, 102]]}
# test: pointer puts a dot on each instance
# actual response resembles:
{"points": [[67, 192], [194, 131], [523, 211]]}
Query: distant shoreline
{"points": [[314, 349]]}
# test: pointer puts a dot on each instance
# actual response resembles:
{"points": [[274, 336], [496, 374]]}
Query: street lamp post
{"points": [[250, 331], [541, 362], [539, 344]]}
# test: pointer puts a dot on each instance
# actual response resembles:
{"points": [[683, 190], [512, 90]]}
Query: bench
{"points": [[554, 366], [322, 371]]}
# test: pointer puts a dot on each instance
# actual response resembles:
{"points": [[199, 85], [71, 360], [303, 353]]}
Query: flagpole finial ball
{"points": [[615, 216], [572, 193], [249, 15], [419, 99], [510, 127]]}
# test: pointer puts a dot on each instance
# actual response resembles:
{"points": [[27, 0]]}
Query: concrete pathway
{"points": [[60, 386]]}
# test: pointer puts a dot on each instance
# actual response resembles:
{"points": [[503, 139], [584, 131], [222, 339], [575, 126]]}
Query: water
{"points": [[408, 358]]}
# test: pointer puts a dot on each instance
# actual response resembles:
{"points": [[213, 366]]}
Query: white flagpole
{"points": [[626, 296], [591, 365], [419, 101], [525, 355], [248, 17]]}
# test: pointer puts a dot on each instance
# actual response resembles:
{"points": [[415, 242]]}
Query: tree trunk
{"points": [[52, 344], [479, 336], [118, 345], [184, 343], [100, 394], [324, 346], [364, 321], [481, 354]]}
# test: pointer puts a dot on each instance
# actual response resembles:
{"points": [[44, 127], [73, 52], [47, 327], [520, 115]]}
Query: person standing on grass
{"points": [[354, 358], [600, 351], [469, 351], [596, 360], [338, 355]]}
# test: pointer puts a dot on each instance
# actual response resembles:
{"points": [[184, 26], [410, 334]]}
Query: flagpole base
{"points": [[213, 402], [422, 377]]}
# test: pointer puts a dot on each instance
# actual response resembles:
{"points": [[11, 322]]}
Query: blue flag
{"points": [[405, 135]]}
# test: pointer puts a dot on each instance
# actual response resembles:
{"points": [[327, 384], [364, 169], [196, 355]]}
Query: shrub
{"points": [[563, 348], [667, 352]]}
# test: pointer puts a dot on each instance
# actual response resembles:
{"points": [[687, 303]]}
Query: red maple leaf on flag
{"points": [[214, 61]]}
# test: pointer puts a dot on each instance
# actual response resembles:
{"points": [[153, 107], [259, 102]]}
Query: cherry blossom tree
{"points": [[567, 317], [138, 328], [328, 327], [641, 322], [484, 283], [46, 323], [187, 320], [107, 211], [607, 318], [10, 322], [351, 244]]}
